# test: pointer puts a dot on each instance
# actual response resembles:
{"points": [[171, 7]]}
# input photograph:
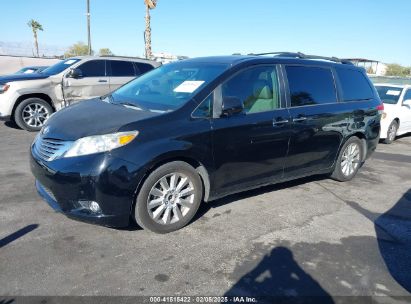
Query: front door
{"points": [[92, 82], [250, 147]]}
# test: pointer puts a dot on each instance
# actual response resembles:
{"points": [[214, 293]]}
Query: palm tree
{"points": [[150, 4], [35, 27]]}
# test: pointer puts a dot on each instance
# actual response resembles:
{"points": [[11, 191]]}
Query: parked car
{"points": [[396, 119], [200, 129], [31, 69], [30, 99]]}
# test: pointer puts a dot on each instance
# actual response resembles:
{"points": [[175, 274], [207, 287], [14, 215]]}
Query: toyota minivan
{"points": [[200, 129]]}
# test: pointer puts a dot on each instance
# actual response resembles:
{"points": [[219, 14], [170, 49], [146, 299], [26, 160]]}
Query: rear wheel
{"points": [[32, 113], [392, 132], [349, 160], [169, 198]]}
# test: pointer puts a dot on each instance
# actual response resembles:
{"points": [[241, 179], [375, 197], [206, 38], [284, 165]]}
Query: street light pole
{"points": [[88, 27]]}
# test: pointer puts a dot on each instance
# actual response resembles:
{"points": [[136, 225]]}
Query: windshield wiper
{"points": [[132, 105]]}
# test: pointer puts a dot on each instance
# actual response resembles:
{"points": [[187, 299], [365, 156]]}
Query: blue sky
{"points": [[374, 29]]}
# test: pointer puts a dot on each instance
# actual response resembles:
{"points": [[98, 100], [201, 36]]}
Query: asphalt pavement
{"points": [[313, 236]]}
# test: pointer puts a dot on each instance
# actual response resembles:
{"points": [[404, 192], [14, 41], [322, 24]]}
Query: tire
{"points": [[155, 192], [36, 108], [392, 132], [352, 150]]}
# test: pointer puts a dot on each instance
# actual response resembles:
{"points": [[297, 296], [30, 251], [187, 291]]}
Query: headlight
{"points": [[100, 143], [4, 88]]}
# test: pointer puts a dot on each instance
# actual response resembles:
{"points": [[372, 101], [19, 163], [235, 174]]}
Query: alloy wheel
{"points": [[171, 198], [35, 115], [350, 159], [392, 132]]}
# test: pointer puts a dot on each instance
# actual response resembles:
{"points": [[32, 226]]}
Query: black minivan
{"points": [[200, 129]]}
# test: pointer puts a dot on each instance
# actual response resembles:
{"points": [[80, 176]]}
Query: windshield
{"points": [[60, 67], [167, 87], [388, 94]]}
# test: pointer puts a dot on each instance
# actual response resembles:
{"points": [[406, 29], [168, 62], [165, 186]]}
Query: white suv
{"points": [[396, 119], [30, 99]]}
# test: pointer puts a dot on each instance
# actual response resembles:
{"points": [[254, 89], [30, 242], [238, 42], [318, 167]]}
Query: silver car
{"points": [[30, 99]]}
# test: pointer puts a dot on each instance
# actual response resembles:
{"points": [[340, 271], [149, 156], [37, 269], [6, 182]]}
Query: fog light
{"points": [[94, 207], [90, 205]]}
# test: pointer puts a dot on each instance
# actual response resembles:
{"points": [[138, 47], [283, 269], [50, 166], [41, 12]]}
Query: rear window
{"points": [[354, 85], [122, 68], [310, 85]]}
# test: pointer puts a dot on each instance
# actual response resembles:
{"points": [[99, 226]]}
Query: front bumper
{"points": [[5, 117], [109, 181], [7, 101]]}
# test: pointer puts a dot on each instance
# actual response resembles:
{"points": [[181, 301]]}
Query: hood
{"points": [[22, 77], [91, 117]]}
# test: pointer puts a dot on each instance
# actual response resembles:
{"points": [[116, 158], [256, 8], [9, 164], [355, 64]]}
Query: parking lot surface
{"points": [[312, 236]]}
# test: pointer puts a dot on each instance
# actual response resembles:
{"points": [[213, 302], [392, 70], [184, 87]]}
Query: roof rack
{"points": [[304, 56], [119, 56]]}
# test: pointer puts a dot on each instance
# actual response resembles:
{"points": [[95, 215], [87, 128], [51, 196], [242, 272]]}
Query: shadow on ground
{"points": [[356, 266], [205, 207], [12, 124], [393, 230], [16, 235], [278, 275]]}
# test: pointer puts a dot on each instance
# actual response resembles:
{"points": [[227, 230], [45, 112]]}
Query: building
{"points": [[167, 58], [372, 67]]}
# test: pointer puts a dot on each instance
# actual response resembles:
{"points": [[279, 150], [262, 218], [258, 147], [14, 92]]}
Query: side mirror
{"points": [[407, 103], [232, 105], [75, 73]]}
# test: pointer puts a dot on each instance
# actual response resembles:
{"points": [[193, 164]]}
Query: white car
{"points": [[30, 99], [396, 119]]}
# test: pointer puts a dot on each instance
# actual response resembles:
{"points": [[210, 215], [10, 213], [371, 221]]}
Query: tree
{"points": [[35, 27], [77, 49], [397, 70], [150, 4], [105, 52]]}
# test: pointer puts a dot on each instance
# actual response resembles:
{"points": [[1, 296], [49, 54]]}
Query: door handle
{"points": [[102, 80], [299, 119], [279, 122]]}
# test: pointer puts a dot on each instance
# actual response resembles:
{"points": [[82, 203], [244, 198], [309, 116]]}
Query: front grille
{"points": [[50, 148]]}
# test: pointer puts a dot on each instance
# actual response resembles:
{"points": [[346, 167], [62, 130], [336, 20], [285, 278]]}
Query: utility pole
{"points": [[88, 27]]}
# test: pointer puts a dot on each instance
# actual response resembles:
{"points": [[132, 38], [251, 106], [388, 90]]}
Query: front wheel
{"points": [[32, 113], [169, 198], [349, 160]]}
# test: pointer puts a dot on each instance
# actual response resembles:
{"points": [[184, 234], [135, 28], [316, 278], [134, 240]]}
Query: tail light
{"points": [[380, 109]]}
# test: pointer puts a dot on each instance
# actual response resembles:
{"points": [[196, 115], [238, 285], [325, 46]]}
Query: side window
{"points": [[310, 85], [143, 67], [256, 87], [205, 109], [407, 95], [122, 68], [93, 68], [354, 85]]}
